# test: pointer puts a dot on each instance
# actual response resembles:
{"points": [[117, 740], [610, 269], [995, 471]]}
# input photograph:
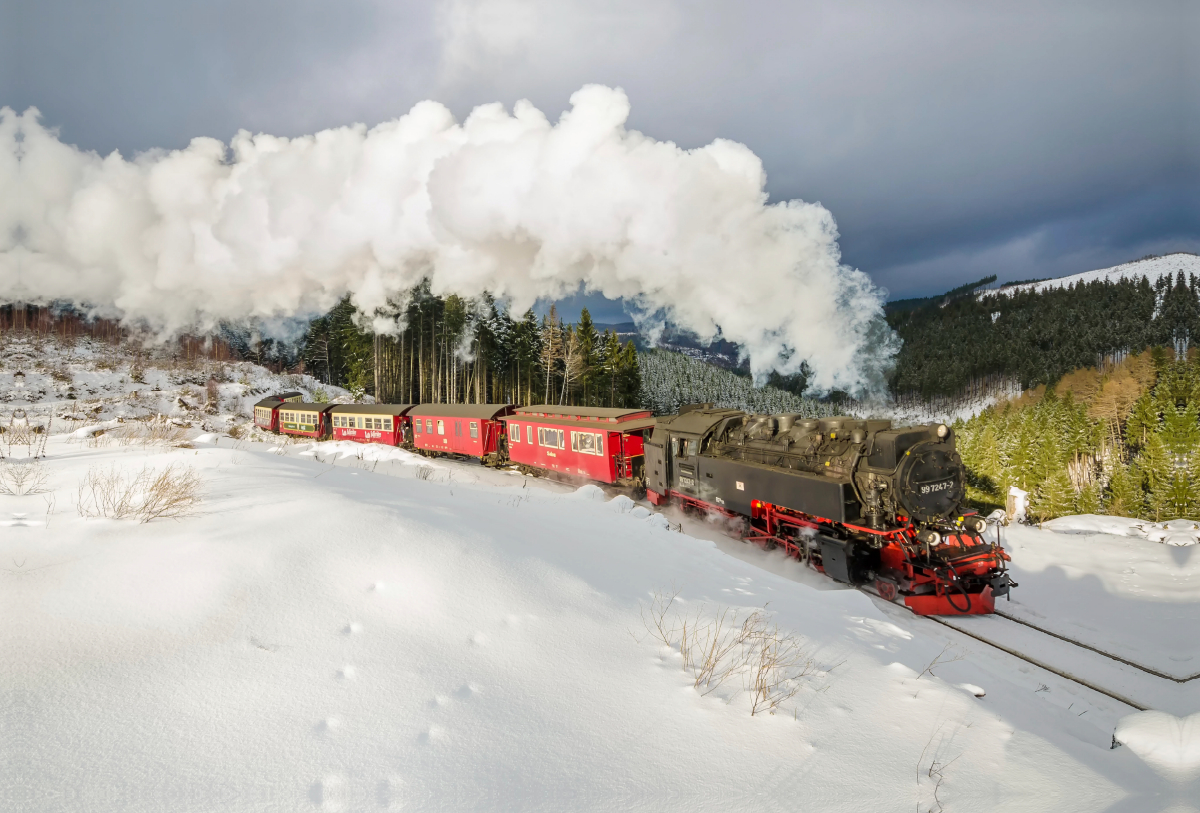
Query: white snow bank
{"points": [[94, 429], [1176, 532], [367, 452], [1168, 744], [1095, 580], [207, 437]]}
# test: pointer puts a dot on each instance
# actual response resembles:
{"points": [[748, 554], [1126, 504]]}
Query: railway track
{"points": [[956, 624]]}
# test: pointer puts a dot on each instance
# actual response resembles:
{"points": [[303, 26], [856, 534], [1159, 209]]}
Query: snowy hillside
{"points": [[1153, 268], [331, 630], [86, 381]]}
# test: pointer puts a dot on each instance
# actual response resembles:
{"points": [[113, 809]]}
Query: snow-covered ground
{"points": [[332, 632], [1153, 268]]}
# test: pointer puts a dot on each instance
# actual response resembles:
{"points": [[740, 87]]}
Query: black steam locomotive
{"points": [[861, 500]]}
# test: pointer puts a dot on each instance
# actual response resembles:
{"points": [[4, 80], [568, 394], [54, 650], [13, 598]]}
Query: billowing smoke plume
{"points": [[511, 204]]}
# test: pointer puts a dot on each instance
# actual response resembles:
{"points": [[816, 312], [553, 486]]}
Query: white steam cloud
{"points": [[507, 203]]}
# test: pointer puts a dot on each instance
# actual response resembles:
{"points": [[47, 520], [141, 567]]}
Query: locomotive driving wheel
{"points": [[886, 589]]}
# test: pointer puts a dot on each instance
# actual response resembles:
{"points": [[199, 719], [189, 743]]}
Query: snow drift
{"points": [[504, 202]]}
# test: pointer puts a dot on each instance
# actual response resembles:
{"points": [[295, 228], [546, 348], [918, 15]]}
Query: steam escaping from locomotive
{"points": [[509, 203]]}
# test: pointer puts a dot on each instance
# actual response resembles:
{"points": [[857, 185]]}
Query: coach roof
{"points": [[300, 406], [582, 414], [484, 412], [372, 409]]}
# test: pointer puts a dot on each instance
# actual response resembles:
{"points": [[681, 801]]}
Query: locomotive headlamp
{"points": [[942, 431]]}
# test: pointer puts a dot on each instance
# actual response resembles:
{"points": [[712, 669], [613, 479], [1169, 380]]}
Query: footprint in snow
{"points": [[347, 672], [432, 734], [478, 639], [388, 793], [466, 691], [438, 701], [378, 587], [327, 726], [326, 793], [353, 628]]}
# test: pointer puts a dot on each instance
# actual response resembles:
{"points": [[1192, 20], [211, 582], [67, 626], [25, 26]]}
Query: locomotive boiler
{"points": [[861, 500]]}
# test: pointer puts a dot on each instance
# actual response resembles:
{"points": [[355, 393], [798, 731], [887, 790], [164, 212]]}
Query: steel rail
{"points": [[1099, 651]]}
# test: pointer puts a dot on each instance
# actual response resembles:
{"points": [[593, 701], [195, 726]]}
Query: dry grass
{"points": [[171, 493], [727, 647], [158, 431], [20, 477]]}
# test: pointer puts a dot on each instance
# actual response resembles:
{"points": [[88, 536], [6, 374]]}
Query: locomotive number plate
{"points": [[933, 488], [687, 482]]}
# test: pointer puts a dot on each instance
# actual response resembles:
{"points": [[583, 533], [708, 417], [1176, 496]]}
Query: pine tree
{"points": [[1054, 498], [1126, 494], [588, 339], [551, 349]]}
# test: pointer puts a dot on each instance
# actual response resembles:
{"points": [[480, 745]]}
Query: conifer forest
{"points": [[451, 350], [1122, 439]]}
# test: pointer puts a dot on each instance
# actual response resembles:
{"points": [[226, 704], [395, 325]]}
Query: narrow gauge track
{"points": [[1098, 651], [1120, 698], [1039, 663]]}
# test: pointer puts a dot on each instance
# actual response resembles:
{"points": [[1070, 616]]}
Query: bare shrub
{"points": [[235, 431], [157, 431], [423, 472], [775, 663], [20, 477], [170, 494], [212, 397], [716, 648]]}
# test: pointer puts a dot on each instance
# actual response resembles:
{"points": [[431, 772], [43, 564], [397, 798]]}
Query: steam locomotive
{"points": [[862, 501]]}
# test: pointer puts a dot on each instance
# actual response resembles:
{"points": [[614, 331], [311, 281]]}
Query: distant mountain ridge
{"points": [[1152, 267]]}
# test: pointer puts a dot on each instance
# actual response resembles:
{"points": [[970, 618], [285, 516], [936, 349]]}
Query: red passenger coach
{"points": [[594, 442], [370, 423], [468, 429], [306, 420], [266, 411]]}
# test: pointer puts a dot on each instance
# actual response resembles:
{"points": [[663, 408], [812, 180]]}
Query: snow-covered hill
{"points": [[87, 381], [337, 633], [1153, 268]]}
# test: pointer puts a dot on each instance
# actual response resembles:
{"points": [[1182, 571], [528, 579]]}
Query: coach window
{"points": [[693, 448], [387, 424], [586, 443], [514, 432], [441, 427], [417, 425], [474, 429]]}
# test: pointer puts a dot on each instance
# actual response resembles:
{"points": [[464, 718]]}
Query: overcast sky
{"points": [[950, 139]]}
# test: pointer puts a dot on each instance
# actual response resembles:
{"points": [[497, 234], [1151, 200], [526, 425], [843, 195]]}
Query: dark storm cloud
{"points": [[949, 140]]}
